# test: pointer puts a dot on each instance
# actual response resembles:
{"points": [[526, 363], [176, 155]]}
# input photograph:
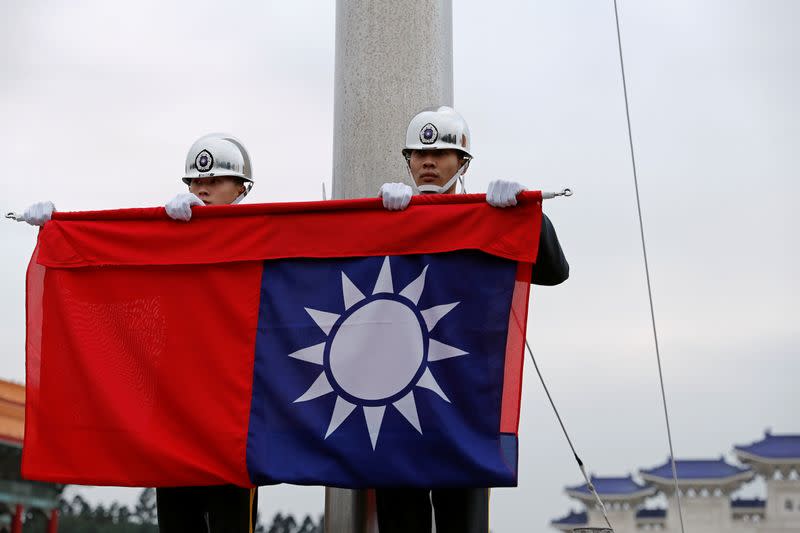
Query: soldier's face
{"points": [[216, 190], [434, 167]]}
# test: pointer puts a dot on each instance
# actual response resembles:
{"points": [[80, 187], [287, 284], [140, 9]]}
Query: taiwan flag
{"points": [[321, 343]]}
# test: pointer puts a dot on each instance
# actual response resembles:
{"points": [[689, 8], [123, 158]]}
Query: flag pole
{"points": [[370, 117]]}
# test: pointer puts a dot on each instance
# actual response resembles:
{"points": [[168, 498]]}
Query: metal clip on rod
{"points": [[14, 216], [551, 195]]}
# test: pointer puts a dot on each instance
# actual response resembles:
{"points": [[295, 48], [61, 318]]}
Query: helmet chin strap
{"points": [[437, 189], [241, 196]]}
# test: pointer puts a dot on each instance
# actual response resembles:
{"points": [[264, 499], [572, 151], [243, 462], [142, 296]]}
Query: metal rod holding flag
{"points": [[550, 195], [365, 203]]}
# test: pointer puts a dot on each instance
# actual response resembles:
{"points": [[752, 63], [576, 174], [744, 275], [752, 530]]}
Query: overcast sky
{"points": [[99, 102]]}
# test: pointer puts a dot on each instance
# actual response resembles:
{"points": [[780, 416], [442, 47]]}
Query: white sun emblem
{"points": [[377, 352]]}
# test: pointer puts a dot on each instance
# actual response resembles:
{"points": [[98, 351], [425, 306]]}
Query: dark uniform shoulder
{"points": [[551, 267]]}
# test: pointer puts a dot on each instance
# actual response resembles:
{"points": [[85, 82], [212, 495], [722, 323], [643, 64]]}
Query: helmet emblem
{"points": [[428, 134], [204, 161]]}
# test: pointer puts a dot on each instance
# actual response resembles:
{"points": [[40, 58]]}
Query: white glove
{"points": [[180, 207], [503, 193], [396, 196], [38, 213]]}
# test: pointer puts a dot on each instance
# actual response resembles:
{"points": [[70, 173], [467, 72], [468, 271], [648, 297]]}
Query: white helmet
{"points": [[439, 128], [219, 154]]}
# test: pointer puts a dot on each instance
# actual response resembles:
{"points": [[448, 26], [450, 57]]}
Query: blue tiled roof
{"points": [[611, 485], [696, 469], [774, 447], [754, 502], [651, 513], [572, 519]]}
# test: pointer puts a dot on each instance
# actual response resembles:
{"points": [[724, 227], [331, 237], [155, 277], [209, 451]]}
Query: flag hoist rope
{"points": [[589, 484], [647, 268]]}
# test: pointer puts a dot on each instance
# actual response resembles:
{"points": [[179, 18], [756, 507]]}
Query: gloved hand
{"points": [[503, 193], [396, 196], [180, 207], [39, 213]]}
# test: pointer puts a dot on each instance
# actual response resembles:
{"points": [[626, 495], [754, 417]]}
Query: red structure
{"points": [[16, 524], [18, 496]]}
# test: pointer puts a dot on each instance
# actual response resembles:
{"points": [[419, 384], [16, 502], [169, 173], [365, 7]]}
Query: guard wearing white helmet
{"points": [[438, 152], [436, 132], [218, 172]]}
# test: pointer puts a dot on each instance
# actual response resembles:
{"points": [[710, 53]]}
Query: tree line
{"points": [[79, 516]]}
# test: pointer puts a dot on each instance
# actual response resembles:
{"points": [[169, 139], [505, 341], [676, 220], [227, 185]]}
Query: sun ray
{"points": [[351, 293], [384, 283], [312, 354], [320, 387], [434, 314], [408, 408], [323, 319], [374, 416], [341, 411], [427, 381], [414, 289], [439, 350]]}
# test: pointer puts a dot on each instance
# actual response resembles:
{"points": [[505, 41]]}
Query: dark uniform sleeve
{"points": [[551, 267]]}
